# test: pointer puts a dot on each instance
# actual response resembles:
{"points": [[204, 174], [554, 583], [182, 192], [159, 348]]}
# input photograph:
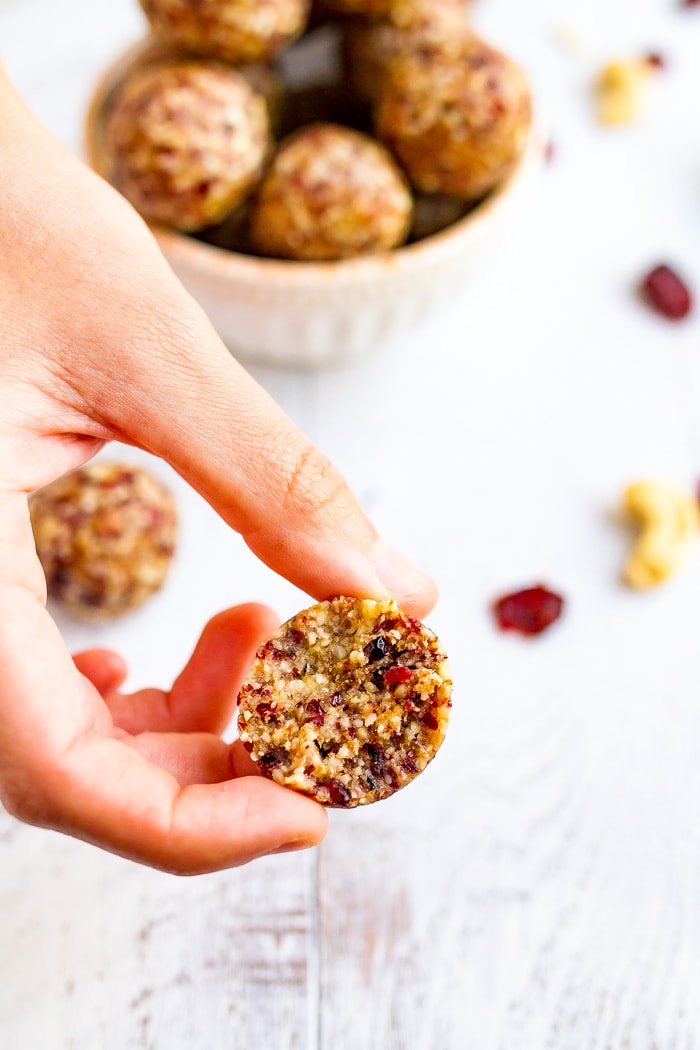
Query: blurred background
{"points": [[539, 885]]}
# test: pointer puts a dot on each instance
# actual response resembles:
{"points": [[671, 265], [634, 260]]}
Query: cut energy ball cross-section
{"points": [[347, 702]]}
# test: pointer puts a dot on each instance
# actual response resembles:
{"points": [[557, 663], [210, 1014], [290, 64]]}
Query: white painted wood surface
{"points": [[539, 886]]}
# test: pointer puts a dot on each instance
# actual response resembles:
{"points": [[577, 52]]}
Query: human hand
{"points": [[99, 341]]}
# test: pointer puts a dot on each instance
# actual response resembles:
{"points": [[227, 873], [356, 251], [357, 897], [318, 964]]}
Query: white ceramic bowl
{"points": [[308, 315]]}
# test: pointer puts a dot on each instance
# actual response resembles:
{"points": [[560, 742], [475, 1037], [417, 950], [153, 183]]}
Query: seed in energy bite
{"points": [[347, 702]]}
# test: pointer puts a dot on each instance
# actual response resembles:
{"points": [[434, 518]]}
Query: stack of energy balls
{"points": [[206, 135]]}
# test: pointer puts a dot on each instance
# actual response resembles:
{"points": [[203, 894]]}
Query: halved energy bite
{"points": [[347, 702]]}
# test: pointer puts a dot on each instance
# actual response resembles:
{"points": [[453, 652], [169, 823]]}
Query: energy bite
{"points": [[105, 536], [330, 193], [232, 30], [408, 27], [457, 120], [347, 702], [186, 142]]}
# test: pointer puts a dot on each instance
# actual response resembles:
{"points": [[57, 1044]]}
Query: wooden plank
{"points": [[99, 953]]}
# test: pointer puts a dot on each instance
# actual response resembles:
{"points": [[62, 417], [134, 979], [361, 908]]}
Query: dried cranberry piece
{"points": [[391, 623], [378, 648], [397, 675], [408, 762], [430, 721], [338, 793], [529, 611], [655, 60], [270, 760], [335, 699], [247, 746], [266, 711], [315, 713], [664, 291], [377, 759]]}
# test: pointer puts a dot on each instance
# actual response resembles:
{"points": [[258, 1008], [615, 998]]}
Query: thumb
{"points": [[148, 367], [188, 401]]}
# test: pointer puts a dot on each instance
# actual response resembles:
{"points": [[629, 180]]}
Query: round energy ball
{"points": [[186, 142], [232, 30], [457, 121], [330, 193], [105, 536], [408, 26], [347, 702]]}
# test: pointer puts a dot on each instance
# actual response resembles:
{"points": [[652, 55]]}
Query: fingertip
{"points": [[413, 589], [254, 617], [106, 669], [276, 819]]}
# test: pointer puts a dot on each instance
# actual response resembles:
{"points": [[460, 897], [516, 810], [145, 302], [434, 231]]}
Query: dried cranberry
{"points": [[270, 760], [377, 759], [247, 746], [266, 711], [338, 793], [430, 721], [664, 291], [655, 60], [408, 763], [378, 648], [529, 611], [391, 623], [397, 675], [335, 699], [314, 713]]}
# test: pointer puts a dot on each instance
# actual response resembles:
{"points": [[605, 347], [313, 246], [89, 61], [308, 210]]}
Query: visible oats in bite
{"points": [[347, 702], [105, 536]]}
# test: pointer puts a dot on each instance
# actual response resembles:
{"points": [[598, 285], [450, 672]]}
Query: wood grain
{"points": [[538, 888], [96, 952]]}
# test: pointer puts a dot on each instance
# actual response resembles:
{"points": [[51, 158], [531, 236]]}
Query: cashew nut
{"points": [[619, 89], [669, 520]]}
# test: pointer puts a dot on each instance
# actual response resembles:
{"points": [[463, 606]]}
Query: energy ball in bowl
{"points": [[369, 47], [232, 30], [330, 193], [105, 536], [347, 702], [186, 142], [458, 121]]}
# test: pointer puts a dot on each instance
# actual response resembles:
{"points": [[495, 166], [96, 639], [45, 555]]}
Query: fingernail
{"points": [[403, 578], [292, 847]]}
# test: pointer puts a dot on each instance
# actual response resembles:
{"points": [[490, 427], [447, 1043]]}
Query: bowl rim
{"points": [[222, 262]]}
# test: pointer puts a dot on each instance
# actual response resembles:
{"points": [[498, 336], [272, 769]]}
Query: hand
{"points": [[99, 341]]}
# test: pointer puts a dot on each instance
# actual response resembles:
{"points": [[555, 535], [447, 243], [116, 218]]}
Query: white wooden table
{"points": [[539, 886]]}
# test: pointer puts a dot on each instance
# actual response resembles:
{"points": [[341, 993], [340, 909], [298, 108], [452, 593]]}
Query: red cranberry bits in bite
{"points": [[347, 702]]}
